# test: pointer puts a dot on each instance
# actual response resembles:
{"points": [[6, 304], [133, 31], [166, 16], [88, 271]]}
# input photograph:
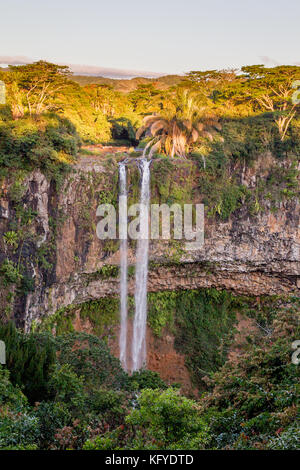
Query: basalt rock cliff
{"points": [[65, 264]]}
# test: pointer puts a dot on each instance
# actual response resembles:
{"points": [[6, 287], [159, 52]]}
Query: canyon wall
{"points": [[248, 254], [67, 265]]}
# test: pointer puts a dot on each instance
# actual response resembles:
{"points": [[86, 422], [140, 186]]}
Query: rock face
{"points": [[252, 255], [161, 357], [255, 255]]}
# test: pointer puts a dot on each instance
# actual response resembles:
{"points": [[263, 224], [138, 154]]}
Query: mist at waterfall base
{"points": [[138, 345]]}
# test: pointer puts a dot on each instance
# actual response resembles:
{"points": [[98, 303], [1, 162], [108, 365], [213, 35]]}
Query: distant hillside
{"points": [[127, 85], [124, 85]]}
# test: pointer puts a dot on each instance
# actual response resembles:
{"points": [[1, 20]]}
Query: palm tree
{"points": [[175, 130]]}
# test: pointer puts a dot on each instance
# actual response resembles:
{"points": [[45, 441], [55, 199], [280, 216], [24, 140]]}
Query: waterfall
{"points": [[123, 263], [141, 273], [141, 269]]}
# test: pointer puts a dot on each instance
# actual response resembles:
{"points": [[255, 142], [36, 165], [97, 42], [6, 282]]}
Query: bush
{"points": [[110, 405], [286, 440], [49, 143], [9, 273], [167, 420], [142, 379], [28, 360], [90, 358], [254, 399], [67, 387], [18, 429], [10, 395], [52, 416], [162, 420], [202, 323], [122, 129]]}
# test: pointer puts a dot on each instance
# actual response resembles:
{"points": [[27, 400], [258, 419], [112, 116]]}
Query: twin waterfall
{"points": [[138, 346]]}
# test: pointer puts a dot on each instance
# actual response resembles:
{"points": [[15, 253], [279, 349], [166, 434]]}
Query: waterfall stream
{"points": [[138, 347], [123, 263], [141, 272]]}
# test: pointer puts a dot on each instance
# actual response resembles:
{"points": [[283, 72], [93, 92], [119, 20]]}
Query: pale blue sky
{"points": [[168, 36]]}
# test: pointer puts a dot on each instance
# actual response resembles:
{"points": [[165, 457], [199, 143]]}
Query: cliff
{"points": [[64, 264]]}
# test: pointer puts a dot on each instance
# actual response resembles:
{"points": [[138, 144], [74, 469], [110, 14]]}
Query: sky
{"points": [[139, 37]]}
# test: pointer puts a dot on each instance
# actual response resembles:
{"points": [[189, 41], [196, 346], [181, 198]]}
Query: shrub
{"points": [[9, 273], [18, 429], [201, 322], [49, 143], [67, 387], [10, 395], [142, 379], [28, 360], [52, 416], [254, 399], [90, 357], [162, 420], [287, 440], [167, 420]]}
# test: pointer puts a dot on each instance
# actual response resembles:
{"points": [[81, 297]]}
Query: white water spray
{"points": [[123, 264], [139, 354]]}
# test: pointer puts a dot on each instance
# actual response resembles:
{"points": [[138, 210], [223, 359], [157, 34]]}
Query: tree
{"points": [[175, 130], [90, 357], [210, 84], [146, 99], [162, 420], [28, 360], [67, 386], [102, 98], [273, 89], [167, 420], [14, 94], [39, 83]]}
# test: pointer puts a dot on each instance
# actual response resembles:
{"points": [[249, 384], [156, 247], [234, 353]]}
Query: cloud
{"points": [[90, 70]]}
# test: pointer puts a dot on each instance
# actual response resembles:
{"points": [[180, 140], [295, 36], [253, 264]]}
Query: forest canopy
{"points": [[186, 107]]}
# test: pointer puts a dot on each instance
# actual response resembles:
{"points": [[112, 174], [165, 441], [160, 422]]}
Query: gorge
{"points": [[251, 255]]}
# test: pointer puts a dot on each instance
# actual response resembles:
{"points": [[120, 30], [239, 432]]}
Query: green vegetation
{"points": [[48, 142], [254, 403], [177, 425], [83, 399], [235, 139], [103, 314], [171, 183], [179, 127], [195, 105], [202, 323], [28, 361], [252, 112], [79, 390]]}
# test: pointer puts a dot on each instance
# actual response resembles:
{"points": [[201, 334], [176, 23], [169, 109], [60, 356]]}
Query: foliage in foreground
{"points": [[58, 401], [162, 420], [254, 403], [87, 400]]}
